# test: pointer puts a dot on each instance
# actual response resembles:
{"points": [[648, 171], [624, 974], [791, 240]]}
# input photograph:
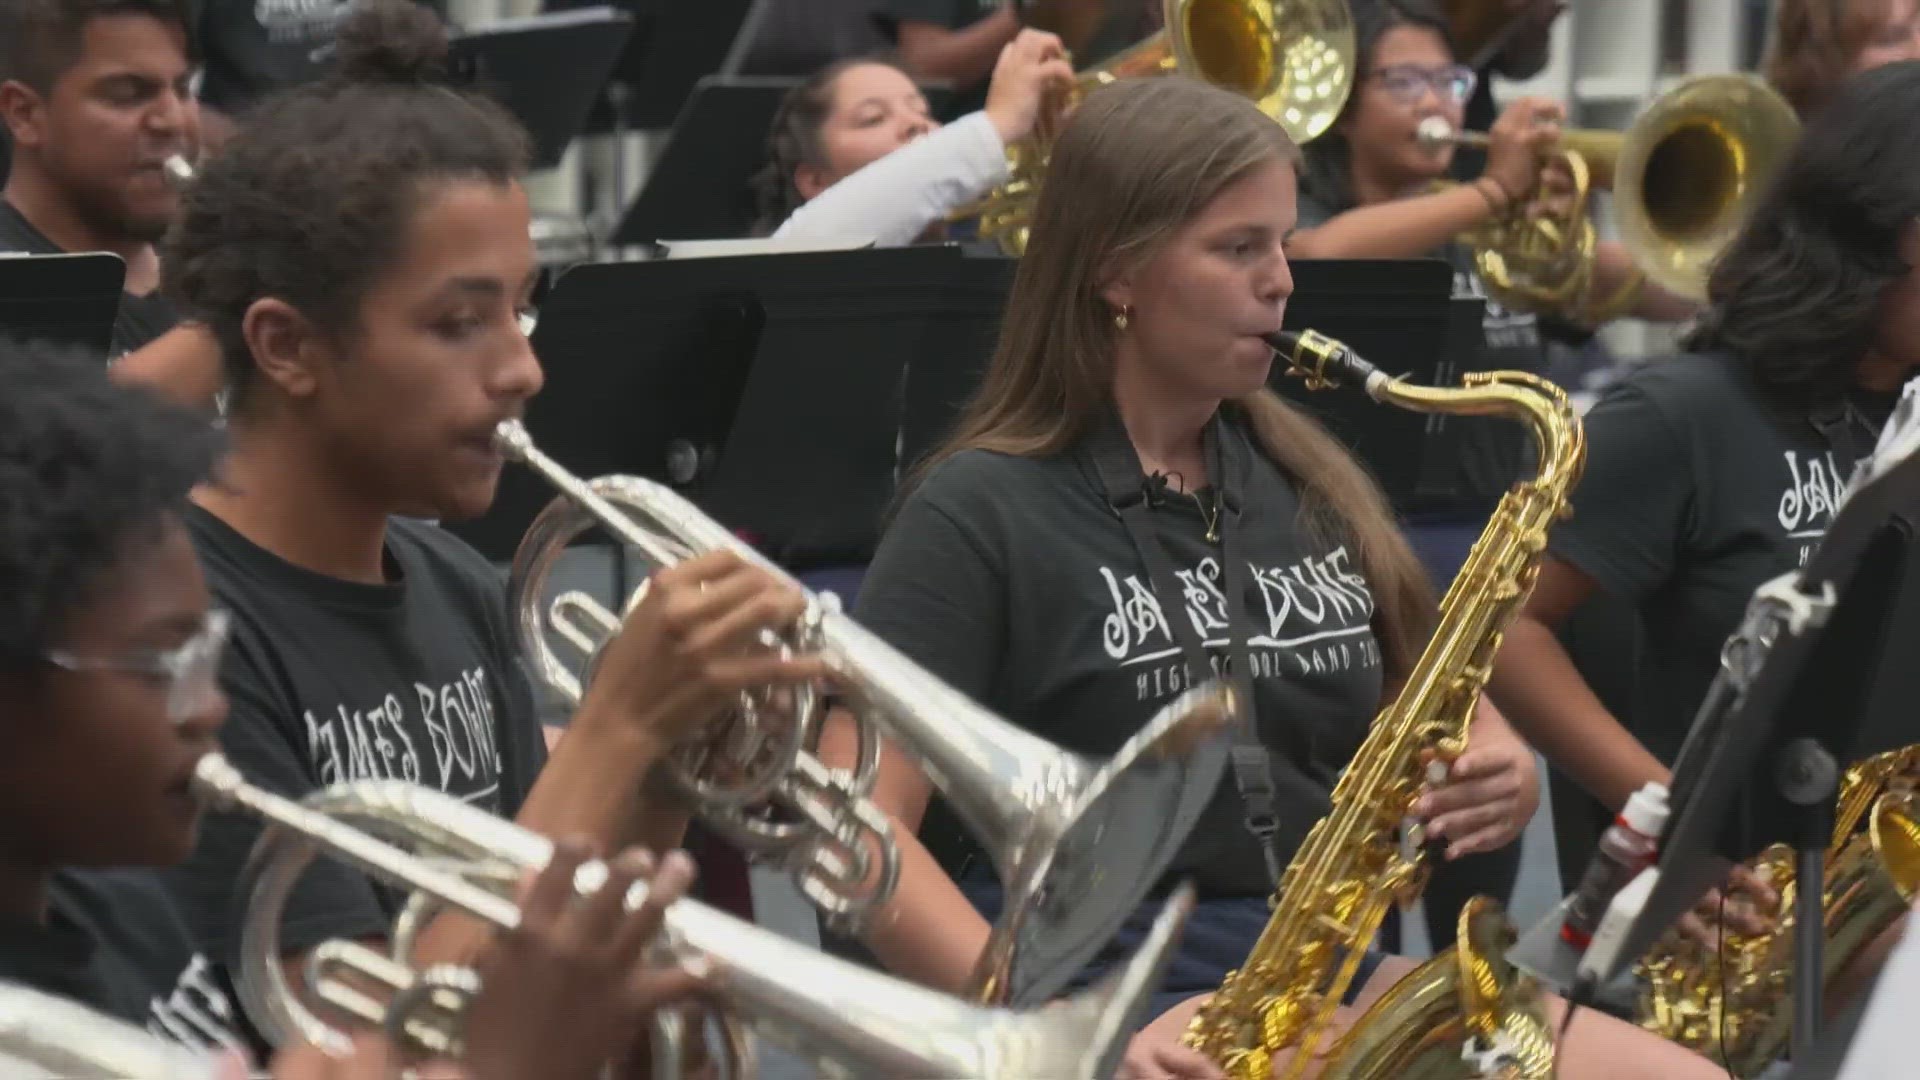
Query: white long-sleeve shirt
{"points": [[892, 201]]}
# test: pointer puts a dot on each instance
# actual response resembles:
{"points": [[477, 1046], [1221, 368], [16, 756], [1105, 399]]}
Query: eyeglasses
{"points": [[1407, 83], [192, 670]]}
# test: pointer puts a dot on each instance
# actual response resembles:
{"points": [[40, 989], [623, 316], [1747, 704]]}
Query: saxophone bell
{"points": [[1737, 1002]]}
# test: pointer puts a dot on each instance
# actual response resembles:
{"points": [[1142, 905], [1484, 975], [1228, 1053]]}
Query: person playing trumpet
{"points": [[95, 97], [856, 155], [368, 313], [1366, 186], [110, 647]]}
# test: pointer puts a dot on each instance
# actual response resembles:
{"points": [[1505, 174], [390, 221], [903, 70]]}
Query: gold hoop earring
{"points": [[1122, 317]]}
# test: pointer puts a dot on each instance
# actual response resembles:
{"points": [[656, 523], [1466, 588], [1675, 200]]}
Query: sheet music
{"points": [[716, 249]]}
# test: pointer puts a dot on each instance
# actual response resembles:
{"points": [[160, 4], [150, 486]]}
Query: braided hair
{"points": [[794, 141]]}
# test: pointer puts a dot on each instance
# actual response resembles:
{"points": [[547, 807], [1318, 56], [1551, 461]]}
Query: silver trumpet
{"points": [[1077, 843], [849, 1020], [43, 1037]]}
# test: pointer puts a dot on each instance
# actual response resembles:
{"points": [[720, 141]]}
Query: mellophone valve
{"points": [[846, 1017], [1076, 842]]}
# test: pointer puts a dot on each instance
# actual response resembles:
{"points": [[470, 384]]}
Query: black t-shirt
{"points": [[252, 48], [139, 320], [1013, 580], [114, 942], [1696, 492], [330, 681], [1493, 453]]}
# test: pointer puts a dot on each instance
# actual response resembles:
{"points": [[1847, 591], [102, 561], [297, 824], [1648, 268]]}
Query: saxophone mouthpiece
{"points": [[1324, 362]]}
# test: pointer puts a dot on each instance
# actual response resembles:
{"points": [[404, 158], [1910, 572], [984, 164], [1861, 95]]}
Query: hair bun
{"points": [[390, 41]]}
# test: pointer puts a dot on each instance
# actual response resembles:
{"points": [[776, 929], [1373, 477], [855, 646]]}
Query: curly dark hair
{"points": [[1326, 163], [41, 39], [87, 467], [1797, 295], [309, 202], [795, 140]]}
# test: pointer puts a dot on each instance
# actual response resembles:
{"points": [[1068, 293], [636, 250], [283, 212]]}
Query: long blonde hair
{"points": [[1139, 159]]}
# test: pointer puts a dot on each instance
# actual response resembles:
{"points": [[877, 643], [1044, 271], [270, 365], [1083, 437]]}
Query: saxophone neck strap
{"points": [[1133, 496]]}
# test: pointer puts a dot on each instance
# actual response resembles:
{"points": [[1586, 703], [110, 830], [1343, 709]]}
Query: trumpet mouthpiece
{"points": [[1434, 132], [511, 436], [215, 780]]}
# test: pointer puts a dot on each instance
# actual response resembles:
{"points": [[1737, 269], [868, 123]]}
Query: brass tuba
{"points": [[1076, 843], [1366, 854], [847, 1018], [1736, 1002], [1684, 177], [1294, 58], [43, 1037]]}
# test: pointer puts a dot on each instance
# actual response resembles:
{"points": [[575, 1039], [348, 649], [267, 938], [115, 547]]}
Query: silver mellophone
{"points": [[1077, 843]]}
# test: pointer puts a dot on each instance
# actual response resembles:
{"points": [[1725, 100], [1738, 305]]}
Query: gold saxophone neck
{"points": [[1322, 362]]}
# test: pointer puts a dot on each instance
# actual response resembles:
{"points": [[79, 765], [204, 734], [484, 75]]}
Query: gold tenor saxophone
{"points": [[1736, 1002], [1365, 855]]}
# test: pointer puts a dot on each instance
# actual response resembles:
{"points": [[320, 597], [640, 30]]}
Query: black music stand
{"points": [[69, 301], [1763, 760], [766, 386], [701, 186], [644, 364], [675, 44], [811, 460], [547, 70], [1399, 314]]}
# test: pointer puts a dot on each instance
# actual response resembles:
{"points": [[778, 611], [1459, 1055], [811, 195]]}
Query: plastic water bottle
{"points": [[1630, 845]]}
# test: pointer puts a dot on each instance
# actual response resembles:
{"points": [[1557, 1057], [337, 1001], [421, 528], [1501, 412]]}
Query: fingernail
{"points": [[678, 864]]}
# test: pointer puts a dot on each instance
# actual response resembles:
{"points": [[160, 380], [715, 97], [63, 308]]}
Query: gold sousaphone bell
{"points": [[1293, 58]]}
